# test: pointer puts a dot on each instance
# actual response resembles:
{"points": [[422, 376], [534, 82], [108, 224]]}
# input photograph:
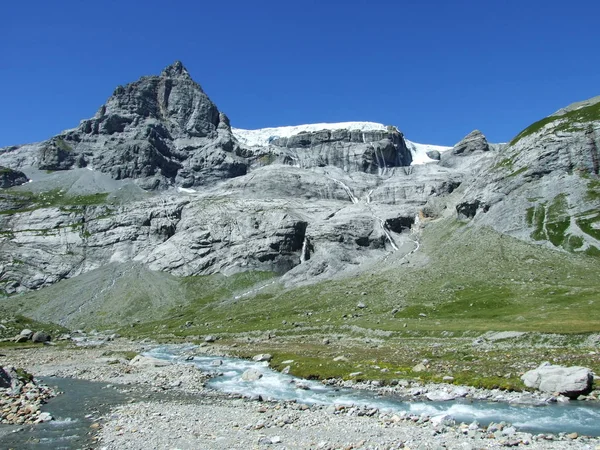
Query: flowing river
{"points": [[83, 401], [580, 417]]}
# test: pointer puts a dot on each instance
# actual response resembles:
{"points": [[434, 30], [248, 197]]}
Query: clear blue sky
{"points": [[436, 69]]}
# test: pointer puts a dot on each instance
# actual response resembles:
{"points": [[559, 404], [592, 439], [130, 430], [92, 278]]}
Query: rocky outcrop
{"points": [[475, 141], [10, 177], [568, 381]]}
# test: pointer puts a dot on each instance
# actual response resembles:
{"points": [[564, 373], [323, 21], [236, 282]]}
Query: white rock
{"points": [[252, 375], [568, 381]]}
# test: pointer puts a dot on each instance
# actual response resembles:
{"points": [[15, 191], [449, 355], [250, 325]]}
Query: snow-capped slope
{"points": [[264, 136]]}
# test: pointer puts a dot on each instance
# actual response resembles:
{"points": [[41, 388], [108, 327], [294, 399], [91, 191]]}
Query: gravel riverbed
{"points": [[175, 411]]}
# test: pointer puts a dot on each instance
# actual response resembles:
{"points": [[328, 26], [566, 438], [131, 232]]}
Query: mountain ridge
{"points": [[159, 179]]}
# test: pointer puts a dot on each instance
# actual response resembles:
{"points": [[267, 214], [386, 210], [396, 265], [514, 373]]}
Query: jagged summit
{"points": [[176, 70], [161, 130]]}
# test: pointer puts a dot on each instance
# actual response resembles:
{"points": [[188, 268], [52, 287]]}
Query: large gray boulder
{"points": [[40, 336], [568, 381]]}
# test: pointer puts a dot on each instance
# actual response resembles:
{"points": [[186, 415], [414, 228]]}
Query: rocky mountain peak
{"points": [[176, 70], [161, 130]]}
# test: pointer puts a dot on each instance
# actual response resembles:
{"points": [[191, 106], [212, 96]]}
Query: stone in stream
{"points": [[251, 375], [262, 357], [44, 417], [568, 381]]}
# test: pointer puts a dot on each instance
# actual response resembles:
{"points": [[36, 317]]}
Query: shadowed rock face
{"points": [[472, 142], [10, 178]]}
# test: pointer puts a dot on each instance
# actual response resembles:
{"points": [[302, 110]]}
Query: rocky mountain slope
{"points": [[159, 181]]}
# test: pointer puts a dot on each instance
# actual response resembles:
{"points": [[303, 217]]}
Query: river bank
{"points": [[179, 411]]}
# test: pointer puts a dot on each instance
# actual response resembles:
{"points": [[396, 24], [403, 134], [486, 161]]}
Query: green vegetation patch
{"points": [[568, 121], [506, 163], [30, 201], [593, 190], [529, 215], [60, 143], [558, 220], [589, 223], [551, 223], [518, 172]]}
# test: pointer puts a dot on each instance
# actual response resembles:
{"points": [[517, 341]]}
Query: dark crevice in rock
{"points": [[468, 210], [399, 224]]}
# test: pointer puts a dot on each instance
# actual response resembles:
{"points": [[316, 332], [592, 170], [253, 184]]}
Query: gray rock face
{"points": [[473, 142], [568, 381], [5, 379], [353, 151], [10, 178], [434, 154], [307, 224]]}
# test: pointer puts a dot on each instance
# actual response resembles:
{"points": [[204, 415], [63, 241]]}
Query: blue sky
{"points": [[436, 69]]}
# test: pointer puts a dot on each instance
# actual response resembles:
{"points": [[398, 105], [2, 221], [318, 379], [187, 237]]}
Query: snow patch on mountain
{"points": [[264, 136], [419, 151]]}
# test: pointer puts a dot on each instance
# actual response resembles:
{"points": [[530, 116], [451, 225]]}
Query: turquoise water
{"points": [[70, 427], [580, 417]]}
